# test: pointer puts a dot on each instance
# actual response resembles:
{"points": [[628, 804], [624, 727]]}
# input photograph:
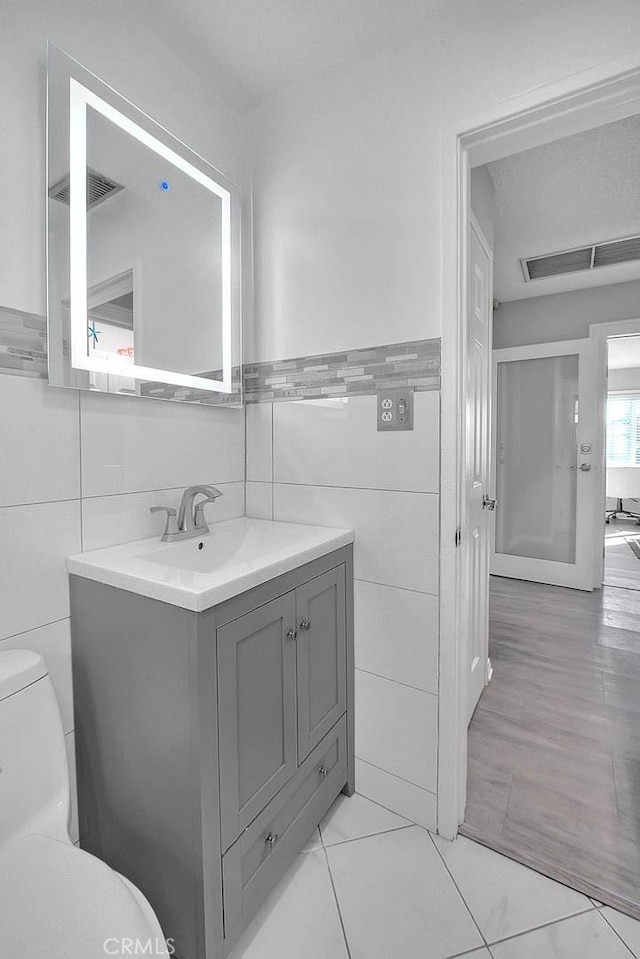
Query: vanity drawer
{"points": [[263, 852]]}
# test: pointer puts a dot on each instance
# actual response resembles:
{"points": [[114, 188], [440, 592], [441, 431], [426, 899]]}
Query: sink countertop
{"points": [[198, 573]]}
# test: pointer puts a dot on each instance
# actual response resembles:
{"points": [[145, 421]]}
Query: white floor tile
{"points": [[626, 927], [314, 842], [352, 817], [505, 897], [582, 937], [300, 920], [397, 899]]}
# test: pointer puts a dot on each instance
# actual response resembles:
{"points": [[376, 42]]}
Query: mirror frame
{"points": [[71, 89]]}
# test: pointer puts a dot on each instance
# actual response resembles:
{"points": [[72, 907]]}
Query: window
{"points": [[623, 429]]}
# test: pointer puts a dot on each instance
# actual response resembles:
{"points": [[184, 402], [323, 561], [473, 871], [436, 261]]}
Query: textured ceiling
{"points": [[572, 192], [624, 353], [248, 50]]}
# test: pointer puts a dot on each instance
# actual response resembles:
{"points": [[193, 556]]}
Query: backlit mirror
{"points": [[143, 252]]}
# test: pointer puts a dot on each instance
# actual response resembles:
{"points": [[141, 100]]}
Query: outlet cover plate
{"points": [[395, 409]]}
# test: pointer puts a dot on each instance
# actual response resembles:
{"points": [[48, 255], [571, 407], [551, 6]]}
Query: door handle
{"points": [[292, 633], [488, 503], [305, 624], [585, 467]]}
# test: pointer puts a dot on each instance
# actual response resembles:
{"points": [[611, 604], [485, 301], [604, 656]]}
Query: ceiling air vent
{"points": [[99, 188], [582, 258]]}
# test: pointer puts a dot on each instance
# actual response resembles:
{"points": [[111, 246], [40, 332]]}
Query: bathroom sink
{"points": [[236, 555]]}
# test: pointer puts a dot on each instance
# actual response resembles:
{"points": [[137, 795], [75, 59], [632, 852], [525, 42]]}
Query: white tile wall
{"points": [[303, 432], [260, 500], [108, 520], [33, 580], [259, 443], [401, 796], [396, 634], [53, 642], [81, 471], [130, 444], [39, 430], [329, 466], [396, 533], [407, 747]]}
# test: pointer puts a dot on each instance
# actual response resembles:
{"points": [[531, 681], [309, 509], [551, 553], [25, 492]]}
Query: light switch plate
{"points": [[395, 409]]}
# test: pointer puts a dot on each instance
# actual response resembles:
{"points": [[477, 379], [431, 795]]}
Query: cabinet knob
{"points": [[271, 839], [305, 624], [292, 633], [323, 772]]}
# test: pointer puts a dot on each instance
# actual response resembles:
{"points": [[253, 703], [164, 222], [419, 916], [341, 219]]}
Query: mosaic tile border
{"points": [[416, 363], [353, 373], [23, 343]]}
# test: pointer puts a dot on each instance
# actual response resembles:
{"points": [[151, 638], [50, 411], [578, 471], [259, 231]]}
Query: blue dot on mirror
{"points": [[165, 186]]}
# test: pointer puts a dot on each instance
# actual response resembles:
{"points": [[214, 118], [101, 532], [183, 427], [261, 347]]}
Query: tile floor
{"points": [[371, 885]]}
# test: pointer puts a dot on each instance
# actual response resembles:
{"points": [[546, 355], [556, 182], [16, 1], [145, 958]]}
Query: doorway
{"points": [[567, 543], [622, 450], [552, 744]]}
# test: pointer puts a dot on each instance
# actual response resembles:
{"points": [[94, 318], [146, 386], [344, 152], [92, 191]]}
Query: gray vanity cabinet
{"points": [[210, 744], [256, 711], [321, 647]]}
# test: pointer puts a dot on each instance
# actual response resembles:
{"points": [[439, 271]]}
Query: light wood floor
{"points": [[621, 564], [554, 745]]}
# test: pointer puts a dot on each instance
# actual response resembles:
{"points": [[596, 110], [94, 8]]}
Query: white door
{"points": [[475, 535], [545, 463]]}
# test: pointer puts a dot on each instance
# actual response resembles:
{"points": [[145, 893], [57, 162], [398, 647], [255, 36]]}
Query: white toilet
{"points": [[55, 900]]}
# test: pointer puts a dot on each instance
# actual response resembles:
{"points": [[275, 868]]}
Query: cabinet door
{"points": [[256, 711], [322, 665]]}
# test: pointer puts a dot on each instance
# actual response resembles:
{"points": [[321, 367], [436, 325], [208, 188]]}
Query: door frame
{"points": [[599, 334], [571, 105]]}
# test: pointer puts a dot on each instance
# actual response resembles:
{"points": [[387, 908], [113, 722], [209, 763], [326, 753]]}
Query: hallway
{"points": [[554, 745]]}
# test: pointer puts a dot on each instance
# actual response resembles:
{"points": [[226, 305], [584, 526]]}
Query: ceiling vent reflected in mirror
{"points": [[582, 258], [99, 188]]}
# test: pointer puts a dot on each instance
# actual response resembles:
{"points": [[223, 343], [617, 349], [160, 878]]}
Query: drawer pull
{"points": [[305, 624], [271, 839], [324, 772], [292, 633]]}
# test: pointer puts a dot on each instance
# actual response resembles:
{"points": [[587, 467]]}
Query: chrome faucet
{"points": [[189, 520]]}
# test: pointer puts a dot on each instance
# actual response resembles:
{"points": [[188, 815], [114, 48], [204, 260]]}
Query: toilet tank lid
{"points": [[18, 669]]}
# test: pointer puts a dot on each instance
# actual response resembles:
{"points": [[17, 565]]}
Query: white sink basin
{"points": [[202, 572]]}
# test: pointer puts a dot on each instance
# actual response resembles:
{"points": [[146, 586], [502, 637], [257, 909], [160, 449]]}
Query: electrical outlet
{"points": [[395, 409]]}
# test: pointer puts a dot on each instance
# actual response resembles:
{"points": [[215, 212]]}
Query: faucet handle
{"points": [[198, 516], [171, 527]]}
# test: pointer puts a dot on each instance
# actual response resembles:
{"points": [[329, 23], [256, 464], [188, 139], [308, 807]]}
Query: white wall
{"points": [[563, 316], [347, 201], [80, 471]]}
